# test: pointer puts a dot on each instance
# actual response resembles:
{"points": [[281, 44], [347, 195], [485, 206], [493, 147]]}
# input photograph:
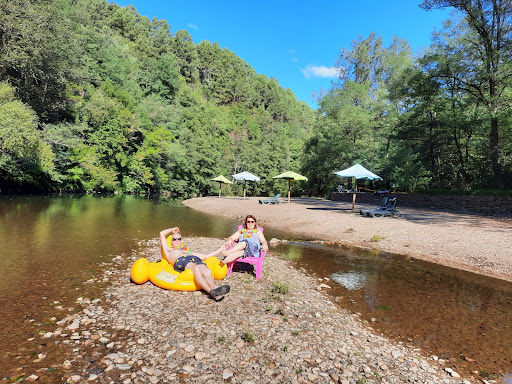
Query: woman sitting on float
{"points": [[250, 242]]}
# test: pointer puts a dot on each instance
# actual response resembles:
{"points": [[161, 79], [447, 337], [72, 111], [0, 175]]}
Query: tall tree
{"points": [[439, 133], [38, 55], [186, 52], [486, 55], [358, 112], [23, 154]]}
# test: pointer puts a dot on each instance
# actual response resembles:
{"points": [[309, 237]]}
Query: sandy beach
{"points": [[475, 243]]}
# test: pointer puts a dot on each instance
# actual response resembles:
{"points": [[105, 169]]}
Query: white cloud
{"points": [[294, 59], [193, 26], [319, 71]]}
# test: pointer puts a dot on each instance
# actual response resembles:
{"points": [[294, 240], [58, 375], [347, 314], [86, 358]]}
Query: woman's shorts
{"points": [[251, 249], [182, 261]]}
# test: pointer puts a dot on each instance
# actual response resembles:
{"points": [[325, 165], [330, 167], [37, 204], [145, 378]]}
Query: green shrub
{"points": [[376, 238], [248, 337], [280, 287]]}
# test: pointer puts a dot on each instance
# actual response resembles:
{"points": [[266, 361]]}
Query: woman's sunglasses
{"points": [[250, 221], [176, 238]]}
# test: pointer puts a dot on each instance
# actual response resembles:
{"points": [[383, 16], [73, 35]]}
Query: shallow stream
{"points": [[50, 245]]}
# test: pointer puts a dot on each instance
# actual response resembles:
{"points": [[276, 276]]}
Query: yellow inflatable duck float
{"points": [[163, 275]]}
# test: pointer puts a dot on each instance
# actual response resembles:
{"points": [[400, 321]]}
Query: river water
{"points": [[50, 245]]}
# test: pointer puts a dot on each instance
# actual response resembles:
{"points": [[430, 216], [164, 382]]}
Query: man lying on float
{"points": [[182, 258]]}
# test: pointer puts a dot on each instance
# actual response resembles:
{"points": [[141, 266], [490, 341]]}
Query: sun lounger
{"points": [[340, 189], [271, 200], [381, 192], [387, 208], [382, 205]]}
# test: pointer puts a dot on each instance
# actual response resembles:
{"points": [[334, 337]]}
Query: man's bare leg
{"points": [[199, 278], [207, 275], [204, 279]]}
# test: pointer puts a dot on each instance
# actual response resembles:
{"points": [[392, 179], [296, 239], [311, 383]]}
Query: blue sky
{"points": [[296, 42]]}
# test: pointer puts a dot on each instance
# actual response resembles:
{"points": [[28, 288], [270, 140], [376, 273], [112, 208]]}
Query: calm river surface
{"points": [[50, 245]]}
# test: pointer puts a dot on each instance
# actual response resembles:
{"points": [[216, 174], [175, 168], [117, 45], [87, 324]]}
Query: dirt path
{"points": [[474, 243]]}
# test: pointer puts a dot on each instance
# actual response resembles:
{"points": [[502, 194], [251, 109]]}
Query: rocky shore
{"points": [[282, 328]]}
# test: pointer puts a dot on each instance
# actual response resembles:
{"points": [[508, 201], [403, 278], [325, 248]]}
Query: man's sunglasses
{"points": [[176, 238]]}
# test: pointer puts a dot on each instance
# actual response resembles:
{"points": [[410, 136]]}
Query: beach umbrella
{"points": [[357, 172], [290, 176], [221, 180], [245, 176]]}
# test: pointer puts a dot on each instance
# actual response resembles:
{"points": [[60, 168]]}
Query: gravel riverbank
{"points": [[280, 329]]}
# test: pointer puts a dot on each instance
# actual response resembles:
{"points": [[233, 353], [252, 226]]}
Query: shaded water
{"points": [[459, 316], [50, 245]]}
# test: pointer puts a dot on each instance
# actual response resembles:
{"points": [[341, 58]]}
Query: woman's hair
{"points": [[250, 217]]}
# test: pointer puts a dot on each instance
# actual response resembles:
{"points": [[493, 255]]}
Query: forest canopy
{"points": [[95, 97]]}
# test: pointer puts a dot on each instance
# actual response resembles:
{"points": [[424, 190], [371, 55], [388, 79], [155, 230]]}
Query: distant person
{"points": [[182, 258], [250, 242]]}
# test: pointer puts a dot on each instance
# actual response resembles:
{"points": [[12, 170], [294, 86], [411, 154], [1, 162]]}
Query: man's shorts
{"points": [[181, 262]]}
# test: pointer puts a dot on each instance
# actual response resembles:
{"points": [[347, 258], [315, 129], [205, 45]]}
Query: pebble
{"points": [[74, 326], [227, 374]]}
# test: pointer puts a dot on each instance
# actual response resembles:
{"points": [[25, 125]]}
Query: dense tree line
{"points": [[95, 97]]}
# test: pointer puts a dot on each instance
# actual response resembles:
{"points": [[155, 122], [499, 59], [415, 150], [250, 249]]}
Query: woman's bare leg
{"points": [[237, 247], [233, 256]]}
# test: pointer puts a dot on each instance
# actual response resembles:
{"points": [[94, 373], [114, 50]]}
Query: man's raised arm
{"points": [[163, 238]]}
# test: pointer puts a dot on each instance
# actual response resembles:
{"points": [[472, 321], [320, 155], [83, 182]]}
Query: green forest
{"points": [[95, 97]]}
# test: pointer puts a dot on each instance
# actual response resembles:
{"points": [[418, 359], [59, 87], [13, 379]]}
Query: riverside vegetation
{"points": [[95, 97]]}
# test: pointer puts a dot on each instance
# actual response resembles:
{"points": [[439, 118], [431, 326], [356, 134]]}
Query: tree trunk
{"points": [[462, 163], [494, 141]]}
